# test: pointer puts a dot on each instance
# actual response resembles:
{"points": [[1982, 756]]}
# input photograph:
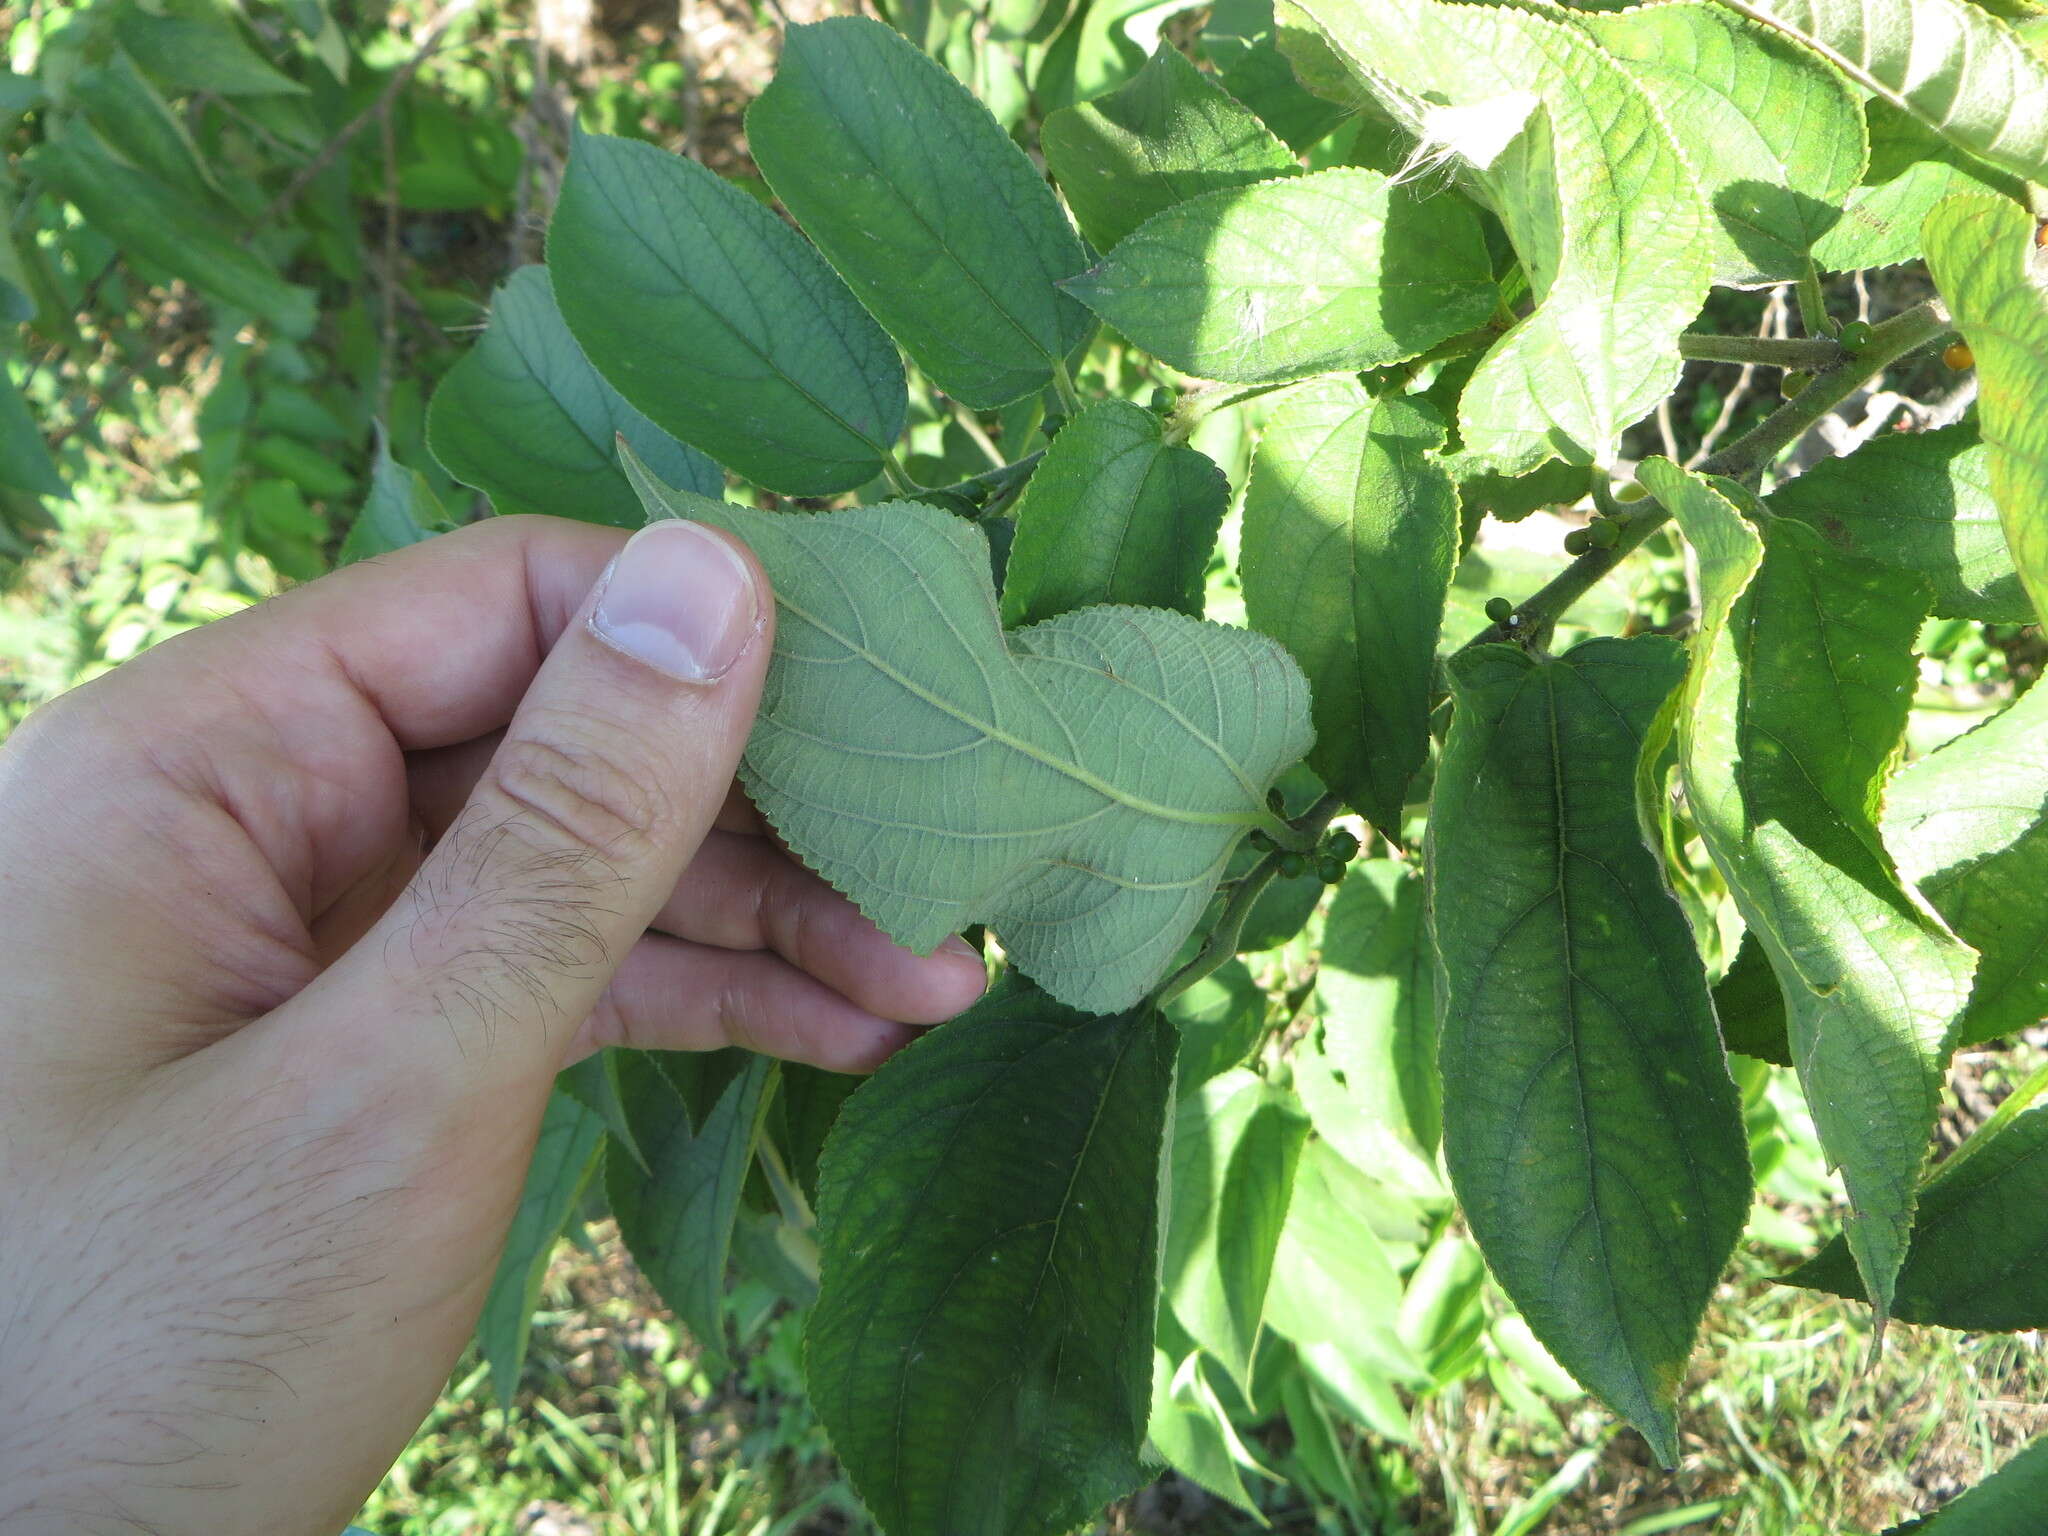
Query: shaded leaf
{"points": [[401, 509], [25, 462], [1911, 169], [1982, 255], [1113, 514], [2007, 1503], [1078, 786], [1592, 1130], [1220, 1019], [718, 321], [1751, 1006], [1169, 134], [987, 1208], [1303, 275], [595, 1083], [929, 210], [1795, 703], [194, 53], [1350, 537], [1191, 1429]]}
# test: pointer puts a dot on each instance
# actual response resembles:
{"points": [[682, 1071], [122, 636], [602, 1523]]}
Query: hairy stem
{"points": [[1805, 354], [1744, 460]]}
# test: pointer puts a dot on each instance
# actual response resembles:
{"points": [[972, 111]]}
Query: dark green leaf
{"points": [[594, 1082], [25, 462], [2008, 1503], [1751, 1006], [1220, 1019], [987, 1209], [564, 1158], [1307, 274], [1350, 537], [524, 417], [401, 509], [195, 53], [930, 212], [805, 1112], [1969, 826], [719, 322], [1113, 514], [1978, 1236], [1920, 501], [130, 114], [1592, 1131], [677, 1214], [1170, 134], [1795, 703]]}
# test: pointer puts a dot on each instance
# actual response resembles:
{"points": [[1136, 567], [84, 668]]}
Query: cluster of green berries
{"points": [[1329, 858], [1598, 534]]}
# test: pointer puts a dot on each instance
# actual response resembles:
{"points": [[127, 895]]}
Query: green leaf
{"points": [[1113, 514], [1350, 537], [2007, 1503], [1920, 501], [524, 417], [1982, 255], [1190, 1428], [1609, 221], [987, 1215], [1949, 63], [1795, 703], [1307, 274], [595, 1083], [1078, 786], [25, 462], [192, 53], [134, 211], [929, 210], [1969, 826], [1982, 1222], [564, 1158], [1369, 1076], [401, 509], [1221, 1018], [1775, 134], [1911, 169], [1751, 1006], [1592, 1130], [130, 113], [677, 1213], [717, 320], [1235, 1143], [1168, 135]]}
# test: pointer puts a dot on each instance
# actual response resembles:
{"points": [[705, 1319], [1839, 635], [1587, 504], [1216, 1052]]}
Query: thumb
{"points": [[608, 778]]}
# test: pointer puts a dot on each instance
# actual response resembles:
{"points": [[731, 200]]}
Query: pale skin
{"points": [[302, 913]]}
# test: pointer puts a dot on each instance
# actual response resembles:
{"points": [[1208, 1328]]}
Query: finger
{"points": [[746, 893], [673, 996], [609, 775]]}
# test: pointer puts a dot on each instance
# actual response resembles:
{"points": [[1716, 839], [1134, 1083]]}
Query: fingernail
{"points": [[680, 599], [959, 946]]}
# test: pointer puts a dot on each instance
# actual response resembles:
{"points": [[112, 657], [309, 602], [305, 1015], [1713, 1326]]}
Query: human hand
{"points": [[304, 910]]}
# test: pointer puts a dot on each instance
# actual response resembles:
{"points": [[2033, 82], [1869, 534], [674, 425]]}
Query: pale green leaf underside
{"points": [[1078, 786], [1920, 501], [1956, 68], [1981, 251], [928, 209], [1775, 134], [1969, 825], [1350, 536], [1796, 700], [1591, 1128], [1911, 169], [524, 417], [987, 1220], [1608, 220], [1303, 275]]}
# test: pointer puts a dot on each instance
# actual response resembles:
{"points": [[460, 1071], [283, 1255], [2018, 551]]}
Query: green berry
{"points": [[1604, 535], [1329, 870], [1293, 865], [1856, 335], [1499, 609], [1577, 542], [1261, 842], [1341, 846]]}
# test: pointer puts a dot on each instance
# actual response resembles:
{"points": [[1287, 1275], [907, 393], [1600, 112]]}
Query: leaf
{"points": [[1911, 169], [1220, 1019], [716, 319], [1975, 1260], [1369, 1075], [1775, 134], [25, 462], [1609, 222], [401, 509], [1982, 255], [1113, 514], [564, 1158], [1969, 826], [1801, 678], [131, 209], [1235, 1142], [1078, 786], [1950, 64], [929, 210], [2007, 1503], [1751, 1006], [1170, 134], [595, 1083], [1283, 279], [1191, 1430], [1350, 537], [1919, 501], [987, 1209], [1592, 1131], [525, 418], [677, 1214], [128, 112], [192, 53]]}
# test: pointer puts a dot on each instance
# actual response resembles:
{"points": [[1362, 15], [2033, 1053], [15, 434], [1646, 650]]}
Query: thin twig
{"points": [[1772, 324]]}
